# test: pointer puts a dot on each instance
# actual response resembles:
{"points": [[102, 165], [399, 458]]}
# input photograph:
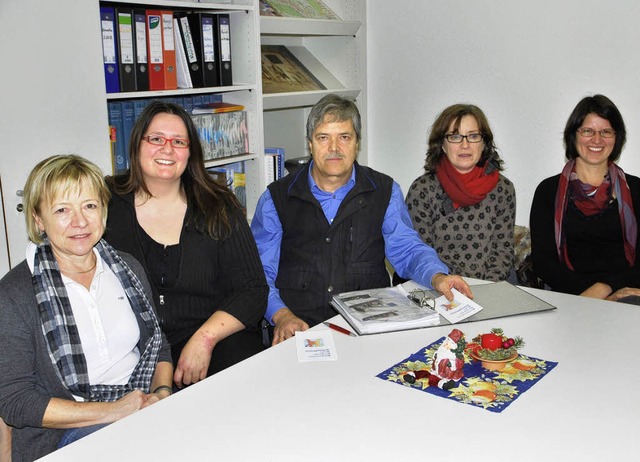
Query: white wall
{"points": [[526, 64], [52, 96]]}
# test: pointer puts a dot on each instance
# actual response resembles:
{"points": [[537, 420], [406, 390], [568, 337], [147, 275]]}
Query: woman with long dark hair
{"points": [[191, 236]]}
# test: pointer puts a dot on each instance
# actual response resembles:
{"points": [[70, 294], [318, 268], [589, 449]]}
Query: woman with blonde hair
{"points": [[81, 344]]}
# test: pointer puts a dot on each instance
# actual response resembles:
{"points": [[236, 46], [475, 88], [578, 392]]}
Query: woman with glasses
{"points": [[462, 206], [194, 242], [584, 221]]}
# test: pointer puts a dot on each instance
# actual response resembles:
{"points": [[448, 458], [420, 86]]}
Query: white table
{"points": [[272, 408]]}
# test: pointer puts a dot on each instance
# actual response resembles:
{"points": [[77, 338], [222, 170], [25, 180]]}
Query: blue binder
{"points": [[116, 119], [109, 49], [128, 120]]}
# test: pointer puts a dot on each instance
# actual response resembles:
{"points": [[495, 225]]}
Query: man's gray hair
{"points": [[334, 108]]}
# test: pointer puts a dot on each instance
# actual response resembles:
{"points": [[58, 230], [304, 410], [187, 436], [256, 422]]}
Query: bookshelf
{"points": [[59, 103], [246, 89], [334, 51]]}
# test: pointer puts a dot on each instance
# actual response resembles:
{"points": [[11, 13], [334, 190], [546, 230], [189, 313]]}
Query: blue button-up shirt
{"points": [[407, 253]]}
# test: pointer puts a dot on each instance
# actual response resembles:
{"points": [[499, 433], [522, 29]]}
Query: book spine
{"points": [[278, 153], [116, 120]]}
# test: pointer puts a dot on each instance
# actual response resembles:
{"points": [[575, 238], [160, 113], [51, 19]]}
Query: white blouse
{"points": [[106, 324]]}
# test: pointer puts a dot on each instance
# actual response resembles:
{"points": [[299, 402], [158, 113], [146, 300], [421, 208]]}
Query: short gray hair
{"points": [[338, 109]]}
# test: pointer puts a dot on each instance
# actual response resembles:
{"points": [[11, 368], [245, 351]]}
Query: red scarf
{"points": [[467, 189], [591, 201]]}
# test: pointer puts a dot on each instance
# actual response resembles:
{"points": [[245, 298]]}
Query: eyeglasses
{"points": [[158, 140], [590, 132], [424, 298], [457, 138]]}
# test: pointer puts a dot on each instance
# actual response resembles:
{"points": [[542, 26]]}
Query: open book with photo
{"points": [[403, 307], [411, 306]]}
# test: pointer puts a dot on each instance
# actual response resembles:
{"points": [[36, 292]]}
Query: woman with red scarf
{"points": [[584, 221], [462, 206]]}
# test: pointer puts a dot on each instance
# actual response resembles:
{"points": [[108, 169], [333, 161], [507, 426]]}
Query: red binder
{"points": [[169, 51], [155, 53]]}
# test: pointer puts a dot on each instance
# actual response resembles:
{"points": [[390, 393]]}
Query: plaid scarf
{"points": [[590, 202], [61, 332]]}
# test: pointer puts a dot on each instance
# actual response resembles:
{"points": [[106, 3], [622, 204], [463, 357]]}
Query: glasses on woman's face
{"points": [[158, 140], [590, 132], [457, 138]]}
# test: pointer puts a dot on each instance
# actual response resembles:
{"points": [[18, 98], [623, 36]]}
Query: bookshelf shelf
{"points": [[229, 160], [180, 91], [334, 51], [301, 99], [307, 27], [236, 5]]}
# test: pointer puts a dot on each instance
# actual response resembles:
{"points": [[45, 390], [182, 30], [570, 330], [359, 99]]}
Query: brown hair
{"points": [[208, 200], [453, 115]]}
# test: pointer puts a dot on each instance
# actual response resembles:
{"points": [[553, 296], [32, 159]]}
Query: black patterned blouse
{"points": [[474, 241]]}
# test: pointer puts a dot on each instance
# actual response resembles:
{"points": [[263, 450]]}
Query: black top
{"points": [[210, 275], [594, 244]]}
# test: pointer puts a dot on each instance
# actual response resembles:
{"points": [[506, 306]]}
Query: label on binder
{"points": [[155, 40]]}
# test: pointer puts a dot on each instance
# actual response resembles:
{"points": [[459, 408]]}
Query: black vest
{"points": [[318, 259]]}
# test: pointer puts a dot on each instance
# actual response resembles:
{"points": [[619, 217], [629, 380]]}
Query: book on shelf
{"points": [[169, 51], [112, 146], [274, 162], [222, 31], [183, 76], [126, 48], [128, 120], [204, 42], [140, 46], [224, 134], [232, 176], [269, 170], [192, 54], [116, 120], [216, 107], [387, 309], [155, 52], [109, 49], [282, 72], [310, 9]]}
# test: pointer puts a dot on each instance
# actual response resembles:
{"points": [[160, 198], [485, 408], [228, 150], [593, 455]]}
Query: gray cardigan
{"points": [[27, 377]]}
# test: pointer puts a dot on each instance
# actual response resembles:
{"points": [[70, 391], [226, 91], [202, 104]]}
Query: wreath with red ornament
{"points": [[495, 346]]}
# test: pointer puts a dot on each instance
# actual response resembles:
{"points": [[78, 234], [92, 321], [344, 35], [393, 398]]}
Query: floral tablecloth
{"points": [[491, 390]]}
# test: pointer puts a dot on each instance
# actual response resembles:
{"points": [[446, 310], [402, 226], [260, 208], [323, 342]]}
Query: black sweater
{"points": [[212, 275], [594, 244]]}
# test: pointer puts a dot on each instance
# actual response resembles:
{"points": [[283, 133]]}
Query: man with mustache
{"points": [[327, 228]]}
